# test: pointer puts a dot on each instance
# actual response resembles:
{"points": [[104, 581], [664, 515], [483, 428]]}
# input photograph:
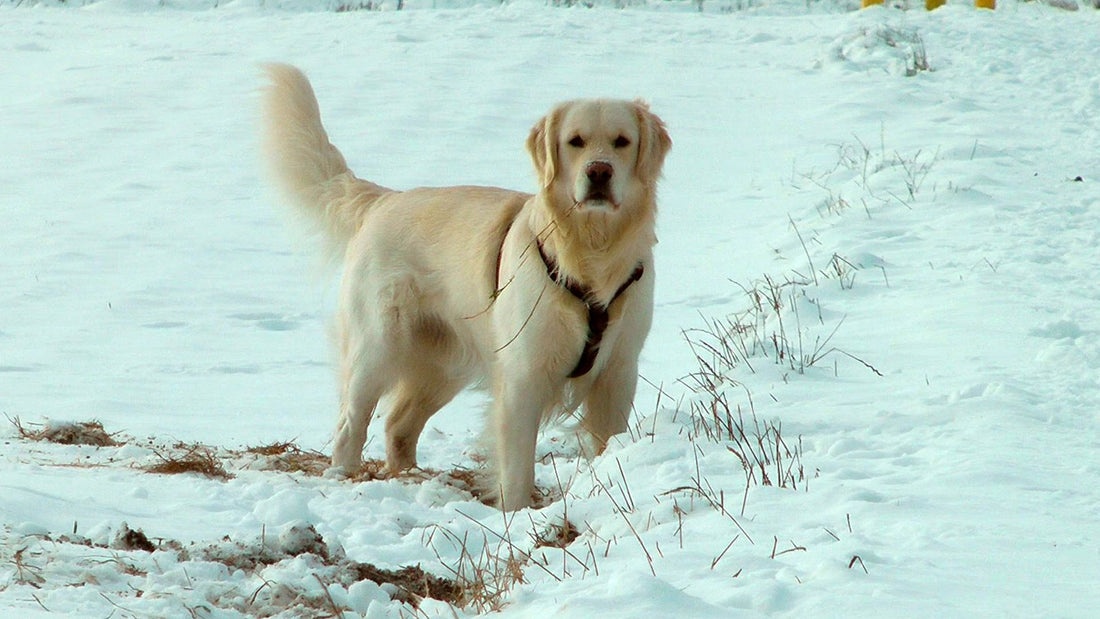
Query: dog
{"points": [[545, 298]]}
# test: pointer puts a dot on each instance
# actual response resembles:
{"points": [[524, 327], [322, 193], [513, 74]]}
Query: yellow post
{"points": [[932, 5], [867, 3], [985, 4]]}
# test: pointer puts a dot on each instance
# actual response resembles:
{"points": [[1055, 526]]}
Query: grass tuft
{"points": [[65, 433], [194, 458], [288, 457]]}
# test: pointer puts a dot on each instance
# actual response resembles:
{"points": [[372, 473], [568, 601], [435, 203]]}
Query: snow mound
{"points": [[897, 50]]}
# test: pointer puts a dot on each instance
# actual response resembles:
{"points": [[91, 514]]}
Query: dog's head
{"points": [[599, 154]]}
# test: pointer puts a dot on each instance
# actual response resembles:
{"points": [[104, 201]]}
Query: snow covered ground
{"points": [[931, 238]]}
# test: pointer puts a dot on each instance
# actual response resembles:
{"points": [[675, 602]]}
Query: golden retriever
{"points": [[546, 297]]}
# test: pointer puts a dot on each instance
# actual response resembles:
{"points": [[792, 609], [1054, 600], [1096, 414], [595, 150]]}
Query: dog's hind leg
{"points": [[365, 378], [418, 398], [361, 395]]}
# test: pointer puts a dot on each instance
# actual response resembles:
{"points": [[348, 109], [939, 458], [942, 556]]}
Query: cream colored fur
{"points": [[424, 311]]}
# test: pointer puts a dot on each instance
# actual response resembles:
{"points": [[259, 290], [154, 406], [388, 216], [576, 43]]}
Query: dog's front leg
{"points": [[607, 407], [608, 404], [517, 414]]}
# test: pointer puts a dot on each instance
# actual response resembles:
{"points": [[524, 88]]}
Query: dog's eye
{"points": [[621, 142], [577, 142]]}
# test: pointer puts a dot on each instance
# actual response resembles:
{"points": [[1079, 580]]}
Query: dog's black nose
{"points": [[599, 172]]}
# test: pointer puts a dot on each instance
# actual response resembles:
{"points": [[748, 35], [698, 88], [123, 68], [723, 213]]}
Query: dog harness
{"points": [[598, 314]]}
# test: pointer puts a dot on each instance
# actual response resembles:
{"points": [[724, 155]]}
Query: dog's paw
{"points": [[338, 473], [487, 491]]}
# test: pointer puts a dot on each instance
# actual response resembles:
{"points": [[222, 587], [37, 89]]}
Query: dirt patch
{"points": [[413, 583], [557, 536], [408, 584], [129, 539], [296, 549]]}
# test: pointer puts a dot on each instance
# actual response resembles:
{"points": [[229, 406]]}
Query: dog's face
{"points": [[599, 154]]}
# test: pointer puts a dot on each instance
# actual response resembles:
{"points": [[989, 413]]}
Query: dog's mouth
{"points": [[598, 199]]}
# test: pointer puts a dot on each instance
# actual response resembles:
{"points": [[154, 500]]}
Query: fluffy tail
{"points": [[310, 170]]}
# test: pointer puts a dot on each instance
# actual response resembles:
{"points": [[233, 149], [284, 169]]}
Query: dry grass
{"points": [[765, 454], [26, 573], [193, 458], [65, 433], [374, 470], [288, 457], [483, 577], [772, 328]]}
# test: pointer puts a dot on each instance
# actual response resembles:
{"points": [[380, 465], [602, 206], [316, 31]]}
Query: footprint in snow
{"points": [[164, 324], [268, 321], [1058, 330]]}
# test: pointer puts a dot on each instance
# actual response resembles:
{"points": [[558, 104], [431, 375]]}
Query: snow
{"points": [[930, 234]]}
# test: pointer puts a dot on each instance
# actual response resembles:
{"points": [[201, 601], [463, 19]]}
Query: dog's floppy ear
{"points": [[653, 143], [542, 145]]}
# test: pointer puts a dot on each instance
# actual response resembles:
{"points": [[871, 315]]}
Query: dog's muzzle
{"points": [[599, 175]]}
